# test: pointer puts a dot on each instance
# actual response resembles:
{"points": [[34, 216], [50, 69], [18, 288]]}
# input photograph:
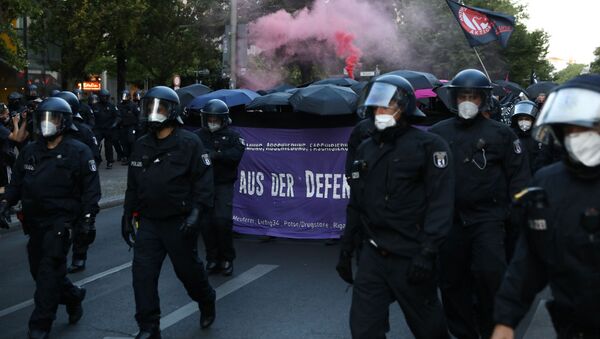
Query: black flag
{"points": [[482, 26]]}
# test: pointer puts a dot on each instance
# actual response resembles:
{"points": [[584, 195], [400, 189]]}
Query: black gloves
{"points": [[4, 214], [86, 233], [344, 267], [421, 267], [191, 224], [128, 228]]}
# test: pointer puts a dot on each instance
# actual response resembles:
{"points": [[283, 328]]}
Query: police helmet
{"points": [[78, 93], [160, 106], [137, 96], [54, 92], [387, 89], [52, 117], [125, 95], [215, 108], [14, 99], [71, 99], [31, 92], [104, 95], [524, 108], [470, 80], [92, 99], [576, 102]]}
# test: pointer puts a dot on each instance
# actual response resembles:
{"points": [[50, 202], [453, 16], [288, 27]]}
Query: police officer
{"points": [[403, 200], [84, 134], [31, 93], [560, 242], [15, 103], [85, 111], [226, 149], [169, 188], [129, 114], [490, 165], [107, 118], [56, 180]]}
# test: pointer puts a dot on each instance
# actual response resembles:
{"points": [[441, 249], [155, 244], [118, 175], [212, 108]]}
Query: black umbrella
{"points": [[510, 87], [189, 93], [325, 100], [418, 80], [279, 88], [359, 86], [273, 102], [540, 87], [346, 82]]}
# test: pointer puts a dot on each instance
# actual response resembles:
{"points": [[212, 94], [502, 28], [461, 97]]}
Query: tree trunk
{"points": [[121, 68]]}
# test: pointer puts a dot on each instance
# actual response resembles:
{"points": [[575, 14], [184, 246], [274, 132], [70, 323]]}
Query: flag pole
{"points": [[482, 65]]}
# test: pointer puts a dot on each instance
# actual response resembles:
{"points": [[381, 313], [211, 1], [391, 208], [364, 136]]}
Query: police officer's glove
{"points": [[4, 214], [421, 267], [191, 224], [87, 230], [128, 229], [344, 267]]}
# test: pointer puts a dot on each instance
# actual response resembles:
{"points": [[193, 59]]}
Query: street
{"points": [[280, 289]]}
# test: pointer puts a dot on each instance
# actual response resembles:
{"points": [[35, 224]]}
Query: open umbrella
{"points": [[232, 97], [540, 87], [510, 87], [189, 93], [271, 102], [325, 100], [418, 80], [359, 87], [346, 82]]}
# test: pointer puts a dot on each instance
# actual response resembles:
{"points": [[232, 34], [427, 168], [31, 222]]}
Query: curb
{"points": [[103, 204]]}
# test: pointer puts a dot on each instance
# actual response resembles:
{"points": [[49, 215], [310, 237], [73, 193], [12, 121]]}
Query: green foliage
{"points": [[595, 65], [569, 72], [12, 50]]}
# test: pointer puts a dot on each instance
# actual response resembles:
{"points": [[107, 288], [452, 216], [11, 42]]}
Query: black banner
{"points": [[482, 26]]}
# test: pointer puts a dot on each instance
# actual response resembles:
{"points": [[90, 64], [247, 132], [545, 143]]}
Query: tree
{"points": [[12, 50], [569, 72], [595, 65]]}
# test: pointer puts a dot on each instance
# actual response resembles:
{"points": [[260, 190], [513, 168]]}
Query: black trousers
{"points": [[110, 140], [126, 139], [155, 239], [217, 232], [472, 264], [47, 252], [382, 280]]}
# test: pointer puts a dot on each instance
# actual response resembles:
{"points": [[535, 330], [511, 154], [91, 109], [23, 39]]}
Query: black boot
{"points": [[37, 334], [75, 310], [212, 267], [227, 268], [76, 266], [208, 313], [148, 333]]}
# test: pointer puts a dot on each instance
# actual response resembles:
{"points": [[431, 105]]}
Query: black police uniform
{"points": [[559, 246], [87, 114], [85, 135], [57, 187], [107, 118], [226, 148], [360, 132], [403, 198], [129, 115], [166, 179], [490, 165]]}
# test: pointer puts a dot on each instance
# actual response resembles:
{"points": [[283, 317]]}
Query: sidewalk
{"points": [[113, 183]]}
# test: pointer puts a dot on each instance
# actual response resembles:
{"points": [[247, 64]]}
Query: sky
{"points": [[571, 24]]}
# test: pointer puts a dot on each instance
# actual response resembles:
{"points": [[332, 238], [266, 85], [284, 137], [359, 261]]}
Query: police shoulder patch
{"points": [[206, 159], [517, 147], [242, 141], [92, 165], [440, 159]]}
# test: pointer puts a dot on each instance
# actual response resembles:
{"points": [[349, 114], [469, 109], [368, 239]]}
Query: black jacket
{"points": [[404, 194], [539, 155], [129, 113], [557, 250], [106, 116], [86, 136], [57, 184], [226, 149], [490, 166], [169, 177], [364, 129], [87, 114]]}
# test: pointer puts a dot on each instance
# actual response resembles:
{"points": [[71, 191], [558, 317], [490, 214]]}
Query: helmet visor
{"points": [[380, 95], [573, 106], [48, 123], [156, 110], [525, 108]]}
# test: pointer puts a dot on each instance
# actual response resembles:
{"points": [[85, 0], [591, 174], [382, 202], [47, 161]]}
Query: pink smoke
{"points": [[349, 29]]}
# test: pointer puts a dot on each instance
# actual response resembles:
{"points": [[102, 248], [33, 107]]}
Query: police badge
{"points": [[206, 159], [440, 159], [517, 146], [92, 165]]}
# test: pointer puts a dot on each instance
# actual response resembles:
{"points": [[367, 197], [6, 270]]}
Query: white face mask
{"points": [[383, 121], [48, 128], [467, 110], [213, 126], [156, 117], [584, 147], [524, 125]]}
